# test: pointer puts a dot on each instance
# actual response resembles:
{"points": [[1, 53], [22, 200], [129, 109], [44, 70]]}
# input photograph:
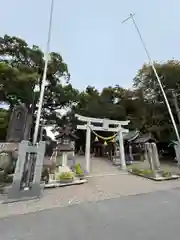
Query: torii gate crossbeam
{"points": [[105, 127]]}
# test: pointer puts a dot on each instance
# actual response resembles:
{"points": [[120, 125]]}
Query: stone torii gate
{"points": [[105, 128]]}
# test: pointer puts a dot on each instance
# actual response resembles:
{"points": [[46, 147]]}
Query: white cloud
{"points": [[4, 106]]}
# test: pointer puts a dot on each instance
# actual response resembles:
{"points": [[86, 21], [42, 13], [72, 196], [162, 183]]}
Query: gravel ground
{"points": [[97, 188], [97, 165], [142, 217], [113, 184]]}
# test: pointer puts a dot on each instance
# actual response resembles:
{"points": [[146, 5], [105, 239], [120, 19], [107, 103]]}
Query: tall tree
{"points": [[21, 70], [157, 118]]}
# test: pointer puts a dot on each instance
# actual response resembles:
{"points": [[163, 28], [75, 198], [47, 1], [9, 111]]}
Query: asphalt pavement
{"points": [[140, 217]]}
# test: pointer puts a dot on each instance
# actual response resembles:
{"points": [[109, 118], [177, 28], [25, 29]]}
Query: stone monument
{"points": [[19, 125], [151, 155], [177, 152], [18, 130], [24, 187]]}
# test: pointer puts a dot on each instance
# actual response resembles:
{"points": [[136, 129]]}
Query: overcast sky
{"points": [[98, 49]]}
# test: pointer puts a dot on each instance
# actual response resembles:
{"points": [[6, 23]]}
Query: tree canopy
{"points": [[158, 119], [21, 70]]}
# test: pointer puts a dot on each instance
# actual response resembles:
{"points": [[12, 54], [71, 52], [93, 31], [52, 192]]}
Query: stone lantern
{"points": [[65, 142]]}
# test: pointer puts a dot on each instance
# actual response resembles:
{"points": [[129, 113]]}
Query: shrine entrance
{"points": [[117, 129]]}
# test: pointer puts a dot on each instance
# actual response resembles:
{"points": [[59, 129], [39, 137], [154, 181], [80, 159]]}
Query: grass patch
{"points": [[145, 172], [148, 173]]}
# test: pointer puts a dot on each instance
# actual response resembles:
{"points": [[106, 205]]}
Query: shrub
{"points": [[166, 174], [79, 170], [65, 176]]}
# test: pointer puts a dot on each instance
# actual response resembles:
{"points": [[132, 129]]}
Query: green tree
{"points": [[97, 104], [4, 115], [21, 70], [18, 70], [157, 116]]}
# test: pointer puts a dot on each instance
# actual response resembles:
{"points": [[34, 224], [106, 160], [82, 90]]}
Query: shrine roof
{"points": [[144, 138], [66, 134], [132, 135]]}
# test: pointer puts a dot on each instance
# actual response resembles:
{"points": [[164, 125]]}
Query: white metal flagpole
{"points": [[156, 74], [44, 76]]}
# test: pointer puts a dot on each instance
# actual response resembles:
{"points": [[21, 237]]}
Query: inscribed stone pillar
{"points": [[155, 156]]}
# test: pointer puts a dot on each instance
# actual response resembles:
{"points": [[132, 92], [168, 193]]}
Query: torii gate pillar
{"points": [[105, 127], [88, 147], [121, 150]]}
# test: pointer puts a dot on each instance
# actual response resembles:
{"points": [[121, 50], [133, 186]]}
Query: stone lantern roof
{"points": [[66, 132]]}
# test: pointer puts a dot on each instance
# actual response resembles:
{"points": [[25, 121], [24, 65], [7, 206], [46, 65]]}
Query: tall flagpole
{"points": [[44, 76], [156, 74]]}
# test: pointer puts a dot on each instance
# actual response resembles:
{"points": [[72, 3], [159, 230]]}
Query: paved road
{"points": [[142, 217]]}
